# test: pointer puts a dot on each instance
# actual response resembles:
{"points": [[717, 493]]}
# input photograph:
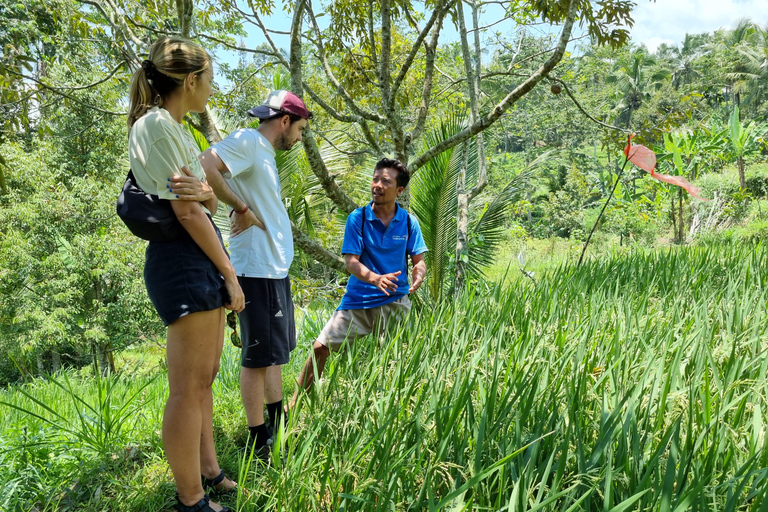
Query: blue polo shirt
{"points": [[383, 250]]}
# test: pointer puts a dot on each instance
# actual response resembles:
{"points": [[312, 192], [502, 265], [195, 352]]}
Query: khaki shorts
{"points": [[352, 324]]}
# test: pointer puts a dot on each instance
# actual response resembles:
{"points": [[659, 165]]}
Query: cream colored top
{"points": [[158, 147]]}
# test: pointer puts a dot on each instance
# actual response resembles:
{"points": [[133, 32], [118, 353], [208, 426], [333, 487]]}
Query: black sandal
{"points": [[211, 483], [204, 505]]}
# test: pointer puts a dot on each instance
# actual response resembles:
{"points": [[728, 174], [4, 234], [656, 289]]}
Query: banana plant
{"points": [[744, 140], [683, 154]]}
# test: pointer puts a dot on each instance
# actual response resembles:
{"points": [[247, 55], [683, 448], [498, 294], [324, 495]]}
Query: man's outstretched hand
{"points": [[387, 282]]}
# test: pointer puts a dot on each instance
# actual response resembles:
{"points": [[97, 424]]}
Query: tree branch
{"points": [[317, 251], [438, 13], [65, 95], [316, 163], [520, 91], [332, 78]]}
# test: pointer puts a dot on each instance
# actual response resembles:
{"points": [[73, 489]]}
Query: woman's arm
{"points": [[199, 227]]}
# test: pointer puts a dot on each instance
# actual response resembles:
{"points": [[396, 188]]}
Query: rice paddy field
{"points": [[635, 382]]}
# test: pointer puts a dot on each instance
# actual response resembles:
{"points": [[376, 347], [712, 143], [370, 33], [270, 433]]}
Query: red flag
{"points": [[645, 159]]}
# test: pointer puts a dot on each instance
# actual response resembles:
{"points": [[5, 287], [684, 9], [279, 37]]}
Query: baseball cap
{"points": [[280, 102]]}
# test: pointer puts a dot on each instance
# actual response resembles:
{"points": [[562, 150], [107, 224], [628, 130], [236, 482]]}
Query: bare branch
{"points": [[372, 36], [587, 114], [429, 74], [184, 11], [332, 78], [519, 91], [244, 48], [317, 251], [65, 95], [119, 29], [440, 12], [370, 138], [98, 82], [337, 148], [344, 118], [316, 163], [150, 29]]}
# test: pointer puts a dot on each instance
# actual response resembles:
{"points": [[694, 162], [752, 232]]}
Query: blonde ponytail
{"points": [[170, 61]]}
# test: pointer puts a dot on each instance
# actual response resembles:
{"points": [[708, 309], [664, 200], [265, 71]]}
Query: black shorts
{"points": [[267, 327], [180, 278]]}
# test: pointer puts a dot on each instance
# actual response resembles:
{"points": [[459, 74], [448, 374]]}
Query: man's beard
{"points": [[283, 144]]}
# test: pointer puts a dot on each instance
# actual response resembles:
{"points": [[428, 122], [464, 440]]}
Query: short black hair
{"points": [[403, 176], [293, 117]]}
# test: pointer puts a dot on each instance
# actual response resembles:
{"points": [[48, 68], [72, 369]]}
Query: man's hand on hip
{"points": [[239, 222]]}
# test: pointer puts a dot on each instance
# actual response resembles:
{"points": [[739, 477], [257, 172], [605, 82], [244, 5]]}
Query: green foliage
{"points": [[639, 221], [563, 212], [634, 382], [71, 274], [434, 203]]}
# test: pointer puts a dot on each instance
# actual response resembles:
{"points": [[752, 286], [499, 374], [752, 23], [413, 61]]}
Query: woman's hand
{"points": [[189, 187], [236, 297]]}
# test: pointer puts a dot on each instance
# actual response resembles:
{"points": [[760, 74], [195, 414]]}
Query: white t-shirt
{"points": [[250, 159], [158, 147]]}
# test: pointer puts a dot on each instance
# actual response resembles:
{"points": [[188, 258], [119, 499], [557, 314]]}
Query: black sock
{"points": [[276, 413], [260, 433]]}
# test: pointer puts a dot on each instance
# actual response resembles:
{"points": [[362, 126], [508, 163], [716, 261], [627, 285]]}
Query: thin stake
{"points": [[597, 221]]}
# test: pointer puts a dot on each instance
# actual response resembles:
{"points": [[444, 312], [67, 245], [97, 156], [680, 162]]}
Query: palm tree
{"points": [[636, 82], [434, 202], [750, 77]]}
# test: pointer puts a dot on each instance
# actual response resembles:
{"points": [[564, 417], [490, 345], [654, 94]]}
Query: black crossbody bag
{"points": [[146, 215]]}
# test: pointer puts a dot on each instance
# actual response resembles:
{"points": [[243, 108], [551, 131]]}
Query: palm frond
{"points": [[487, 233], [434, 201]]}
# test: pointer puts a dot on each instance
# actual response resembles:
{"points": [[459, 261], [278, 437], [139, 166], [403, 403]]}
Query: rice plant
{"points": [[637, 382]]}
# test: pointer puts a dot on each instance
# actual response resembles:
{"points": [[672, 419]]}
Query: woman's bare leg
{"points": [[193, 346], [209, 463]]}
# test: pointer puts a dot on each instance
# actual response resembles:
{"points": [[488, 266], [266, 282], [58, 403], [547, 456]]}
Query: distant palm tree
{"points": [[751, 75], [636, 81]]}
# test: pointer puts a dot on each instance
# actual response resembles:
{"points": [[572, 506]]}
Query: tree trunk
{"points": [[55, 361], [674, 220], [3, 185], [40, 363], [742, 177], [680, 219], [462, 220], [106, 361], [208, 125]]}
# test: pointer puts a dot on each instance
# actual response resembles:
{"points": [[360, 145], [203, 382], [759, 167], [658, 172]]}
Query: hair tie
{"points": [[149, 68]]}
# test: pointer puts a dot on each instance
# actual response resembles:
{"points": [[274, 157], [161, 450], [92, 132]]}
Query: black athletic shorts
{"points": [[267, 327]]}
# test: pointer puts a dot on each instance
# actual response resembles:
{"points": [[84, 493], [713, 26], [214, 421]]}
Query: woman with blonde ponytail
{"points": [[189, 280]]}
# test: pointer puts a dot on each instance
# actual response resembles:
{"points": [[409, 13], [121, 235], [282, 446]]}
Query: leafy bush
{"points": [[71, 273]]}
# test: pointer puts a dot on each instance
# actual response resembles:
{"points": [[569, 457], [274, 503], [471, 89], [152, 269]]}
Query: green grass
{"points": [[636, 382]]}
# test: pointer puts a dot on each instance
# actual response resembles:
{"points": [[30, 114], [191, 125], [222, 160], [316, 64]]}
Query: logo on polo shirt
{"points": [[400, 238], [279, 314]]}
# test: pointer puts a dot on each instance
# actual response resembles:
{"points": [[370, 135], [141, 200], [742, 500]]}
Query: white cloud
{"points": [[667, 21]]}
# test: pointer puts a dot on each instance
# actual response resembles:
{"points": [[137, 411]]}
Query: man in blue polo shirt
{"points": [[378, 239]]}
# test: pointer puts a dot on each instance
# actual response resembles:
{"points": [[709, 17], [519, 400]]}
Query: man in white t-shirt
{"points": [[242, 171]]}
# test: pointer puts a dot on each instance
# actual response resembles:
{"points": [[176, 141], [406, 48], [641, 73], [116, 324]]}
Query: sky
{"points": [[667, 21], [656, 22]]}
